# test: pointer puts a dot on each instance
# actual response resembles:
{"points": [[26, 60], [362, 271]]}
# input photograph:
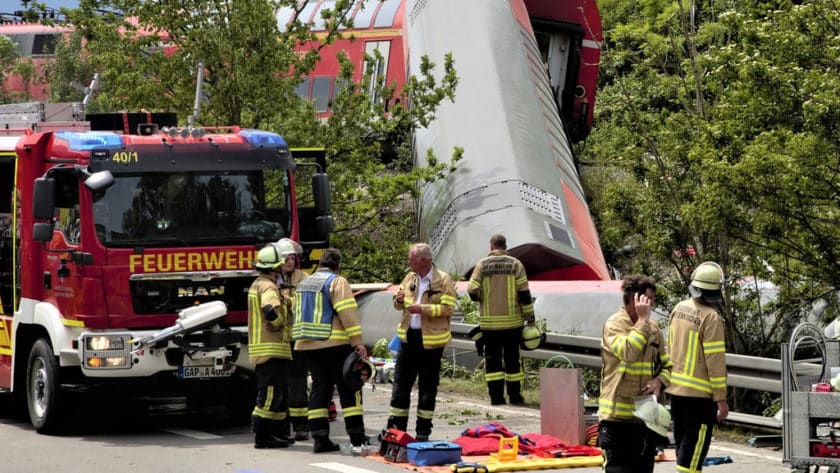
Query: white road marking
{"points": [[744, 453], [341, 467], [193, 434]]}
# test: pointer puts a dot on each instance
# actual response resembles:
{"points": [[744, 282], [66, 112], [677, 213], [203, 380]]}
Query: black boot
{"points": [[269, 441], [357, 440], [324, 445]]}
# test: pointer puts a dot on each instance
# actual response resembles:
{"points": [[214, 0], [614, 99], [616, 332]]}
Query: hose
{"points": [[806, 335], [554, 358]]}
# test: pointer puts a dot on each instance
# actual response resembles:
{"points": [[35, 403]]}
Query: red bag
{"points": [[393, 445]]}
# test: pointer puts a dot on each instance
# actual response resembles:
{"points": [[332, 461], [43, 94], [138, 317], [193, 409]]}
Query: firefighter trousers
{"points": [[271, 406], [694, 420], [627, 447], [298, 393], [502, 366], [325, 365], [415, 363]]}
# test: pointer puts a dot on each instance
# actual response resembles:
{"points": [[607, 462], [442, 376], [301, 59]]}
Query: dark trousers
{"points": [[501, 358], [694, 420], [627, 447], [298, 393], [325, 365], [269, 414], [415, 363]]}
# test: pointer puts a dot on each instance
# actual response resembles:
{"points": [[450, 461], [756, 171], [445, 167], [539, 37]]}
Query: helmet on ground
{"points": [[269, 258], [286, 247], [532, 338], [655, 416], [357, 370], [706, 282]]}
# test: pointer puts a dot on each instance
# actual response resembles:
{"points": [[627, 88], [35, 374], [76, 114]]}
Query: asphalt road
{"points": [[171, 439]]}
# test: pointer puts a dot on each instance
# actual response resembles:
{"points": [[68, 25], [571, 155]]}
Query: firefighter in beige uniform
{"points": [[426, 298], [287, 281], [327, 329], [499, 284], [269, 333], [698, 379], [634, 362]]}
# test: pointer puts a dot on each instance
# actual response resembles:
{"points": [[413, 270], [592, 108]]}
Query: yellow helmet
{"points": [[706, 281], [532, 338], [269, 258]]}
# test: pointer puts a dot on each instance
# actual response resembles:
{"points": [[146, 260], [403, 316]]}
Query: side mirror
{"points": [[43, 199], [324, 225], [42, 232], [321, 192]]}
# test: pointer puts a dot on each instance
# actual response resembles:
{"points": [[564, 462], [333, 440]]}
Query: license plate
{"points": [[195, 372]]}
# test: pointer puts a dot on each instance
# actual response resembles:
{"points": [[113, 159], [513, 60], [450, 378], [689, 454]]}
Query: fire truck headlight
{"points": [[105, 342], [107, 362]]}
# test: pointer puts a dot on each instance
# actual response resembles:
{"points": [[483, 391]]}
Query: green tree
{"points": [[8, 58], [69, 71], [716, 139], [147, 55]]}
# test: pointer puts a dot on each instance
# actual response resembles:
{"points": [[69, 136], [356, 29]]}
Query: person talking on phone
{"points": [[634, 362]]}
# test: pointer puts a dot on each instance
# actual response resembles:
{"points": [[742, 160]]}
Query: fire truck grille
{"points": [[151, 296]]}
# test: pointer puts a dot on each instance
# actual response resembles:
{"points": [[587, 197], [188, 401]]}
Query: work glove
{"points": [[269, 313]]}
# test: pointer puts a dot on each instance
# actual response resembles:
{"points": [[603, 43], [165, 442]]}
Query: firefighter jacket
{"points": [[498, 283], [698, 349], [268, 338], [336, 298], [438, 304], [289, 281], [632, 354]]}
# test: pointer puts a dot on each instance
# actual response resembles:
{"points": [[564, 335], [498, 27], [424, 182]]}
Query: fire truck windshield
{"points": [[194, 209]]}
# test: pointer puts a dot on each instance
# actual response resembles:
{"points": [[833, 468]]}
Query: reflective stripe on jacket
{"points": [[438, 305], [631, 355], [500, 286], [698, 349], [313, 307], [268, 339], [346, 328]]}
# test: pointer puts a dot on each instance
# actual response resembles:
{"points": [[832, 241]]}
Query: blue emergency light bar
{"points": [[263, 138], [86, 141]]}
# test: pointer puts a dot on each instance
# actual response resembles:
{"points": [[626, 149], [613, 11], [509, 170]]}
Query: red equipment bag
{"points": [[393, 445]]}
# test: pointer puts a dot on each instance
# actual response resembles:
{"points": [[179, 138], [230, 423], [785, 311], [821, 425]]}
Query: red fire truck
{"points": [[126, 256]]}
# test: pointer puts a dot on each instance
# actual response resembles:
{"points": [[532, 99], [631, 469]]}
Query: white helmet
{"points": [[285, 247]]}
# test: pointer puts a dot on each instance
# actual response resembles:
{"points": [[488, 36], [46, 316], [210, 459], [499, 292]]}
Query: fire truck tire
{"points": [[42, 387]]}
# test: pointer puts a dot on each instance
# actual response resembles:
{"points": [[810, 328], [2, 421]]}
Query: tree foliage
{"points": [[717, 139], [148, 55]]}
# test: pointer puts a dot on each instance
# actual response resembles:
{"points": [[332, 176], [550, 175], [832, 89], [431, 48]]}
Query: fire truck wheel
{"points": [[42, 387]]}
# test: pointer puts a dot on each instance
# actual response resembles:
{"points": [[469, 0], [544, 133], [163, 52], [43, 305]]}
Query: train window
{"points": [[321, 93], [380, 67], [387, 13], [302, 90], [365, 14], [44, 44]]}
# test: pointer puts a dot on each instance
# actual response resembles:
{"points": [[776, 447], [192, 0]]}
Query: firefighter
{"points": [[500, 286], [698, 379], [326, 330], [426, 298], [288, 280], [634, 362], [269, 334]]}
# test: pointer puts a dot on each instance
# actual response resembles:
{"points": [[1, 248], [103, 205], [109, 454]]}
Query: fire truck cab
{"points": [[126, 257]]}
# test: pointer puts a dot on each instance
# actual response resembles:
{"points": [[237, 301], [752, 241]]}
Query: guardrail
{"points": [[748, 372]]}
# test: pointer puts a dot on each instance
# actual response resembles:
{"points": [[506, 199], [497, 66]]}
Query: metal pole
{"points": [[199, 84]]}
